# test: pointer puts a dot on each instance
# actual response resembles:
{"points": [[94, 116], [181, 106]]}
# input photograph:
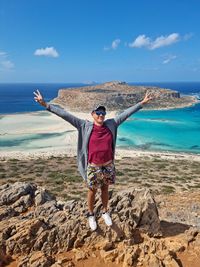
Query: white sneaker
{"points": [[92, 222], [107, 218]]}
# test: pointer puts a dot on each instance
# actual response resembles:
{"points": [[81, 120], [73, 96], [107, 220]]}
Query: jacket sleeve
{"points": [[127, 113], [76, 122]]}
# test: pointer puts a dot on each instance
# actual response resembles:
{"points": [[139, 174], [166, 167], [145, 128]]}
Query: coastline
{"points": [[120, 153], [65, 144], [179, 107], [113, 112], [64, 140]]}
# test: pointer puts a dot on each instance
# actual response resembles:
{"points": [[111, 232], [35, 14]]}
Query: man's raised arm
{"points": [[76, 122], [129, 111]]}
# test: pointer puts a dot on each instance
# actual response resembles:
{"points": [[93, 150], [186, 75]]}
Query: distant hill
{"points": [[117, 95]]}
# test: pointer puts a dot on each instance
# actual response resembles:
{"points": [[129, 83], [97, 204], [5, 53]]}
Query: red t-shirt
{"points": [[100, 145]]}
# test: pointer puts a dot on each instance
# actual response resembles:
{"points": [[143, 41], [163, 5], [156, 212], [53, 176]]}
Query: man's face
{"points": [[99, 116]]}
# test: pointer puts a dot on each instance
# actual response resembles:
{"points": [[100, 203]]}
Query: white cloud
{"points": [[115, 43], [113, 46], [7, 64], [140, 41], [147, 42], [169, 58], [165, 40], [48, 52]]}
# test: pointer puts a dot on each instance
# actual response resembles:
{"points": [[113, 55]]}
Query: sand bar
{"points": [[43, 134]]}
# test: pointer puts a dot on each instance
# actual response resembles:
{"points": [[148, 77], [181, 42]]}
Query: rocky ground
{"points": [[34, 223]]}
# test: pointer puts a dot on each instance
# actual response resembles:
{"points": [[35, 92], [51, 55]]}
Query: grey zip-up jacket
{"points": [[85, 127]]}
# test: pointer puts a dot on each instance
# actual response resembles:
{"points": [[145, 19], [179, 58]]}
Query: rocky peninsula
{"points": [[117, 96]]}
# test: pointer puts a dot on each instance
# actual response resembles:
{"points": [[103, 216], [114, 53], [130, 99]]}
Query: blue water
{"points": [[19, 97], [175, 130]]}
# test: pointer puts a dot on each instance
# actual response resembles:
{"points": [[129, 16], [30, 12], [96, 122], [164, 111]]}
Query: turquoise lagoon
{"points": [[175, 130]]}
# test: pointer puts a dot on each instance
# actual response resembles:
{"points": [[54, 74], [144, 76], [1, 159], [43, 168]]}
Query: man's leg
{"points": [[104, 197], [91, 217], [109, 178], [91, 200]]}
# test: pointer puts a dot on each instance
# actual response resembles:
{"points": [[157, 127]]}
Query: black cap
{"points": [[99, 107]]}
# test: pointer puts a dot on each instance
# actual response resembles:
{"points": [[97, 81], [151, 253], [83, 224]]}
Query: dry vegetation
{"points": [[60, 175]]}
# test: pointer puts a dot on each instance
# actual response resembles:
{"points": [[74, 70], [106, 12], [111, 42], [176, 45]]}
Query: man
{"points": [[96, 150]]}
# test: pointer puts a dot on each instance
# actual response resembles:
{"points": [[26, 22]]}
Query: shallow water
{"points": [[173, 130]]}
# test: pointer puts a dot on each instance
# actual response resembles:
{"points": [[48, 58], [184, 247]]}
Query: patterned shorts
{"points": [[97, 176]]}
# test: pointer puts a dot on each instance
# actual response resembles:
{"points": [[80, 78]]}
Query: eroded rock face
{"points": [[32, 220], [35, 228]]}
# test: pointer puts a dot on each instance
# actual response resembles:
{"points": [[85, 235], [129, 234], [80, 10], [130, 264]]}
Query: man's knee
{"points": [[92, 191]]}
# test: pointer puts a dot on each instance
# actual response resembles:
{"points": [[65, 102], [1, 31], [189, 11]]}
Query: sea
{"points": [[174, 130]]}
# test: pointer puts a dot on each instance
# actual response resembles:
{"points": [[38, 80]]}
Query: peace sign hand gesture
{"points": [[39, 98]]}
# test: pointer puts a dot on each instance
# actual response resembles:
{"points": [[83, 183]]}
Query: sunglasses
{"points": [[98, 113]]}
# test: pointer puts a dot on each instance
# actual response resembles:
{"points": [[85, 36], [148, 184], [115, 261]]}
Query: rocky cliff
{"points": [[37, 230], [118, 96]]}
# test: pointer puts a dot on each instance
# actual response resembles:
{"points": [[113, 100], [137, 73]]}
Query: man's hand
{"points": [[39, 98], [149, 96]]}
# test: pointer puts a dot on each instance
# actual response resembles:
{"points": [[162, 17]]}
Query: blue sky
{"points": [[99, 40]]}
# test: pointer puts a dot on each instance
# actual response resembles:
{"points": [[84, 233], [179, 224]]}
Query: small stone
{"points": [[152, 261], [108, 246], [120, 258], [69, 264], [170, 262], [56, 265], [191, 234], [131, 256], [109, 256], [129, 242], [78, 243], [63, 260], [128, 260], [80, 255]]}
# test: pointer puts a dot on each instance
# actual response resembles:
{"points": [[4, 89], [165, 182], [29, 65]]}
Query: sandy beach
{"points": [[43, 134]]}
